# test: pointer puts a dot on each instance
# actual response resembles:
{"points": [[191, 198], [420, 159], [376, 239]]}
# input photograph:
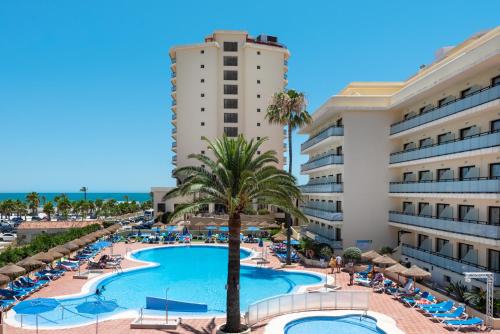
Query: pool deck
{"points": [[408, 320]]}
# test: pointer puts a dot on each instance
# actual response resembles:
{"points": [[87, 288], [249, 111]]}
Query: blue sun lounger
{"points": [[446, 306], [455, 315], [461, 324]]}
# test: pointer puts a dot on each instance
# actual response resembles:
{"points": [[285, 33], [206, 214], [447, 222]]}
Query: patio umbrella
{"points": [[44, 257], [79, 242], [12, 270], [416, 272], [211, 227], [4, 279], [71, 246], [253, 228], [396, 269], [56, 255], [293, 242], [36, 306], [224, 229], [279, 237], [30, 263], [385, 260], [97, 307], [370, 255], [61, 249]]}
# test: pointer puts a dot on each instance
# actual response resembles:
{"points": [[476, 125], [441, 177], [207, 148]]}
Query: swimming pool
{"points": [[194, 274], [348, 324]]}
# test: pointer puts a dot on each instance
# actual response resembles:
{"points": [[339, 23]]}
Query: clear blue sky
{"points": [[85, 85]]}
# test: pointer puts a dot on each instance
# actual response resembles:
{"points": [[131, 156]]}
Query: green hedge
{"points": [[42, 243]]}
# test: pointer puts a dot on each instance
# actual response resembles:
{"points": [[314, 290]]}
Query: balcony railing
{"points": [[173, 75], [330, 132], [174, 88], [445, 262], [468, 227], [475, 185], [174, 103], [479, 97], [323, 214], [322, 235], [285, 76], [173, 60], [330, 187], [331, 159], [174, 131], [174, 144], [174, 158], [174, 116], [479, 141]]}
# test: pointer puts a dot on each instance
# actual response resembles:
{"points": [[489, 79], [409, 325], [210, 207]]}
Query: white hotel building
{"points": [[223, 86], [414, 164]]}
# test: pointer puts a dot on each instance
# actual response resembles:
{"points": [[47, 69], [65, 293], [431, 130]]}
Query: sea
{"points": [[120, 197]]}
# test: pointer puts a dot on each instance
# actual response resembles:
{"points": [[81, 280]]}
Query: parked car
{"points": [[7, 237], [36, 218], [5, 227], [17, 220]]}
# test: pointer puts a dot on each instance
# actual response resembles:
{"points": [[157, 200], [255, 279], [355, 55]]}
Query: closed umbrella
{"points": [[384, 260], [370, 255], [30, 263], [416, 272], [12, 270], [61, 249], [97, 307], [36, 306]]}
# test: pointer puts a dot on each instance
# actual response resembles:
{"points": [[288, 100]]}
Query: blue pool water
{"points": [[192, 274], [350, 324]]}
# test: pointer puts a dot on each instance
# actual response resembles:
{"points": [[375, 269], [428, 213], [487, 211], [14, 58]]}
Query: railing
{"points": [[331, 159], [469, 227], [174, 131], [330, 132], [300, 302], [479, 141], [323, 214], [174, 116], [475, 185], [174, 144], [477, 98], [174, 102], [173, 75], [174, 158], [446, 262], [330, 187], [321, 205], [173, 60], [174, 88], [285, 76]]}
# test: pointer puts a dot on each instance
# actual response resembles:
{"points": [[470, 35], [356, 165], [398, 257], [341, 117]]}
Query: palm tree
{"points": [[33, 201], [63, 205], [98, 203], [49, 209], [84, 191], [288, 108], [21, 208], [237, 177]]}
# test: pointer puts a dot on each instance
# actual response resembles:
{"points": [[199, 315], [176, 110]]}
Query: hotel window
{"points": [[340, 122], [230, 61], [466, 92], [230, 117], [258, 96], [445, 137], [423, 209], [202, 95], [258, 124], [495, 81], [465, 172], [425, 142], [230, 75], [258, 67], [202, 66], [463, 249], [231, 89], [231, 131], [230, 103], [202, 109], [338, 234], [202, 80], [258, 53], [463, 211], [339, 206], [258, 109], [338, 150], [495, 171], [442, 102], [338, 178], [495, 125], [440, 210], [258, 138], [424, 176], [202, 152], [408, 177], [493, 260], [258, 81], [468, 132], [202, 123], [494, 215], [408, 146], [440, 243], [444, 174], [421, 239], [408, 207], [258, 152], [202, 51], [231, 46]]}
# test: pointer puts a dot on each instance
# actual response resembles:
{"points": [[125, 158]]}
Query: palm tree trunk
{"points": [[288, 218], [233, 313]]}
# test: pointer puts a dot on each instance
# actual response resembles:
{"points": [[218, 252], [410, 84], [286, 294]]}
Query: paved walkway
{"points": [[408, 320]]}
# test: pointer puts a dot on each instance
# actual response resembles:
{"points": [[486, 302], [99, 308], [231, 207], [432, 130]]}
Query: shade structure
{"points": [[279, 237], [87, 240], [416, 272], [44, 257], [12, 270], [61, 249], [55, 254], [30, 263], [384, 260], [397, 268], [370, 255], [79, 242], [71, 246], [97, 307], [4, 279], [224, 229], [36, 306]]}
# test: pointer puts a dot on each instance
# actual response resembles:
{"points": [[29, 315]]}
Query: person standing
{"points": [[333, 263], [350, 269], [338, 261]]}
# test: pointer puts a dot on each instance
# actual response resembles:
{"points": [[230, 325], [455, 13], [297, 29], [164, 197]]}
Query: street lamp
{"points": [[489, 292]]}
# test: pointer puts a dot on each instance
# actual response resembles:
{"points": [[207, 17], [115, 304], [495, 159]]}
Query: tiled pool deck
{"points": [[409, 320]]}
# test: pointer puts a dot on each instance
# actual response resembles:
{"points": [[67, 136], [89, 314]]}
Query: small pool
{"points": [[195, 274], [348, 324]]}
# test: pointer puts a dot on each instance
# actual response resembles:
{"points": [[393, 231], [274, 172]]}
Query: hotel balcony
{"points": [[326, 214], [322, 235], [331, 133], [445, 262], [174, 102], [173, 60], [174, 159], [174, 88], [329, 187], [174, 146], [479, 97], [174, 117], [461, 186], [330, 159], [465, 227], [476, 142]]}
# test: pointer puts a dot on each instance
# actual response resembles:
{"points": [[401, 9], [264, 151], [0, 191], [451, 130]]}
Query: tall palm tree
{"points": [[33, 201], [288, 108], [48, 209], [98, 203], [63, 205], [236, 178], [84, 191]]}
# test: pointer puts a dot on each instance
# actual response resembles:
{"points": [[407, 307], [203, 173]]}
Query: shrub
{"points": [[306, 243], [263, 212], [325, 252], [249, 211], [352, 253], [386, 250], [458, 290]]}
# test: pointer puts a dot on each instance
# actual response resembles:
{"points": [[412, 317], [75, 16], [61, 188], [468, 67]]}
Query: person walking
{"points": [[350, 269], [338, 261], [333, 263]]}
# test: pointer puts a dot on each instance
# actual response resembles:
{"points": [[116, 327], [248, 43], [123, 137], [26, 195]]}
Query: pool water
{"points": [[192, 274], [350, 324]]}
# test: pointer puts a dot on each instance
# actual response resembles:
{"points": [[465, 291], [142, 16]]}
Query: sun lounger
{"points": [[446, 306], [476, 323], [455, 315]]}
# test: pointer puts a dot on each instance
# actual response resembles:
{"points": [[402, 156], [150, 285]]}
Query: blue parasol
{"points": [[185, 230], [97, 307], [211, 228], [293, 242], [253, 228], [171, 228], [36, 306], [209, 234], [224, 229]]}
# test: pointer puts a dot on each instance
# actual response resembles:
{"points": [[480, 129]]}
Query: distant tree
{"points": [[352, 253], [33, 200], [63, 205], [49, 209]]}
